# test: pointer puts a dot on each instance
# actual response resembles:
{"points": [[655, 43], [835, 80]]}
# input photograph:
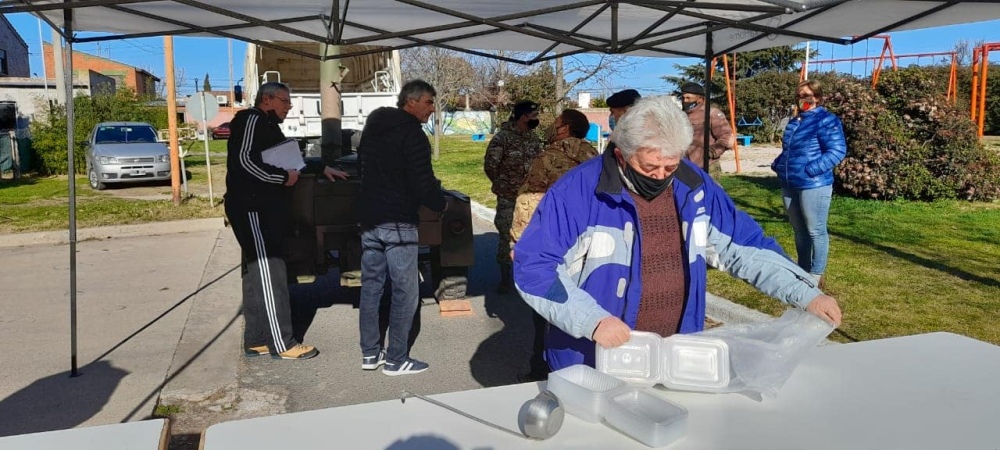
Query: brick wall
{"points": [[128, 76]]}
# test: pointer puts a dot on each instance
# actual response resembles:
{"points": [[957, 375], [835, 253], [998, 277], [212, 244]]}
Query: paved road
{"points": [[489, 348]]}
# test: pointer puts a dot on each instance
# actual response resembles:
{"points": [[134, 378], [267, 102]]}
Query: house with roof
{"points": [[13, 51], [137, 79]]}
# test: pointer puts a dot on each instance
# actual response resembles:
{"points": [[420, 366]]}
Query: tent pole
{"points": [[709, 60], [70, 149]]}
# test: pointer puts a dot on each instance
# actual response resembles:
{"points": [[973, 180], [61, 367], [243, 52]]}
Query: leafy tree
{"points": [[49, 134], [206, 86], [537, 86], [769, 96], [905, 141], [748, 65], [599, 102]]}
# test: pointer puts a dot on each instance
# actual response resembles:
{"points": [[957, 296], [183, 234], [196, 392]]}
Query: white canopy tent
{"points": [[547, 29], [551, 28]]}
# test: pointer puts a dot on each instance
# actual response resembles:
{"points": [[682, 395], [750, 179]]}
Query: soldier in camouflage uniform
{"points": [[566, 150], [507, 160]]}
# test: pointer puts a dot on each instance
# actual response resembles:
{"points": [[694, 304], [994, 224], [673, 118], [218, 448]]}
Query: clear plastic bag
{"points": [[763, 355]]}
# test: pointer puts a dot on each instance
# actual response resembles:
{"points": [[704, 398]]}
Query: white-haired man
{"points": [[620, 242]]}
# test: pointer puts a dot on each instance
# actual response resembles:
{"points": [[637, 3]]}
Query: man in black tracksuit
{"points": [[396, 179], [258, 205]]}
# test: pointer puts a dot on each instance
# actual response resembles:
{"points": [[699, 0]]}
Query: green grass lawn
{"points": [[460, 167], [898, 268], [39, 204]]}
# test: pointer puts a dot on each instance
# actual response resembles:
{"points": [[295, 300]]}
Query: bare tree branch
{"points": [[450, 74]]}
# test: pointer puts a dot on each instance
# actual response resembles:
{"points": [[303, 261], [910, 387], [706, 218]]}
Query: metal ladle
{"points": [[541, 419]]}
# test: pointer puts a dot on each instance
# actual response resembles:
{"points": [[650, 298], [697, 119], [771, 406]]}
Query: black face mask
{"points": [[648, 188], [273, 117], [532, 124], [687, 106]]}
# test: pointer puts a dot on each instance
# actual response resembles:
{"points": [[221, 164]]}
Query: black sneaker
{"points": [[406, 367], [373, 362]]}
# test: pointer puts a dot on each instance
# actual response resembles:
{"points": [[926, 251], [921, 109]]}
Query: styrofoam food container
{"points": [[637, 362], [695, 363], [582, 390], [649, 419]]}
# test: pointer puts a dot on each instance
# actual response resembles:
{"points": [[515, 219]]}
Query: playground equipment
{"points": [[980, 69], [952, 94], [731, 101]]}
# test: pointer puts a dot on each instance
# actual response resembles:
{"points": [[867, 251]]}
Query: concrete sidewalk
{"points": [[135, 298]]}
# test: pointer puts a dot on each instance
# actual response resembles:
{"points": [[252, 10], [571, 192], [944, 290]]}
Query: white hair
{"points": [[653, 122]]}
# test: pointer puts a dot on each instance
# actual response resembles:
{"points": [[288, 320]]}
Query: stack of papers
{"points": [[285, 155]]}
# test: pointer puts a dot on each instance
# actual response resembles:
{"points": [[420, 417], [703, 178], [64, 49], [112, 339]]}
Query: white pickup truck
{"points": [[371, 81]]}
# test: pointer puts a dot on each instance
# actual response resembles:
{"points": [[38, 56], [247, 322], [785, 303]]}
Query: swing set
{"points": [[980, 68], [893, 58], [731, 101]]}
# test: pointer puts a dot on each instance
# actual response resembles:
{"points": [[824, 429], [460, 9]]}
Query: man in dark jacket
{"points": [[721, 134], [258, 199], [396, 179]]}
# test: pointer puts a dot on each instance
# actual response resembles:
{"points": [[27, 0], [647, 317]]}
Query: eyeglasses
{"points": [[285, 100]]}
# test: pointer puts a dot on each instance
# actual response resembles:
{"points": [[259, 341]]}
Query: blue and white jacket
{"points": [[578, 260], [813, 144]]}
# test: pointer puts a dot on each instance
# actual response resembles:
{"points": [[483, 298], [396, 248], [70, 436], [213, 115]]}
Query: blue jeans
{"points": [[389, 249], [807, 211]]}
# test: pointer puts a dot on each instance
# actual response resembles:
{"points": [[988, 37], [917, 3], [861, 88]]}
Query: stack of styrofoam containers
{"points": [[594, 396], [680, 362]]}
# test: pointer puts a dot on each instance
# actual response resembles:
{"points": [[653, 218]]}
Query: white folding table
{"points": [[933, 391], [143, 435]]}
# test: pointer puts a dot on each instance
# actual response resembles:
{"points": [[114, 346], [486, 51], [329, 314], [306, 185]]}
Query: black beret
{"points": [[623, 99], [693, 88]]}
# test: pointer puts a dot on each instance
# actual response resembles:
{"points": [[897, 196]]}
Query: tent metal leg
{"points": [[71, 150], [707, 128]]}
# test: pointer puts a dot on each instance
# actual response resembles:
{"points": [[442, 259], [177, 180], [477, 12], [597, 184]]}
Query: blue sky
{"points": [[198, 56]]}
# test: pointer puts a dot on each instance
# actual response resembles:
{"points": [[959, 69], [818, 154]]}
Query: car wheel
{"points": [[95, 182]]}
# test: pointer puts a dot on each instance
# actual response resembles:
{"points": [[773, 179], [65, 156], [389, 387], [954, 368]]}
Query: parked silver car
{"points": [[121, 152]]}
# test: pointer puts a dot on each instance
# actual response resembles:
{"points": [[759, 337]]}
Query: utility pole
{"points": [[57, 63], [560, 95], [232, 96], [45, 75], [805, 68], [175, 155]]}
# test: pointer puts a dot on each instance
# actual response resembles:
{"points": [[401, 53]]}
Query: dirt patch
{"points": [[754, 160], [194, 415]]}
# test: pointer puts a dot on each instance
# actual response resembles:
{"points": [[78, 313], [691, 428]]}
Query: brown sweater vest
{"points": [[663, 287]]}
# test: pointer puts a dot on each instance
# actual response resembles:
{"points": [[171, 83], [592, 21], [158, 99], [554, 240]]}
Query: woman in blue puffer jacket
{"points": [[813, 144]]}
